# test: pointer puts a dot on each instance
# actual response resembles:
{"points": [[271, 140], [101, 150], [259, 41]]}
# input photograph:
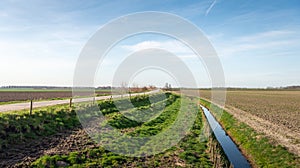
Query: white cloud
{"points": [[270, 43], [143, 45], [172, 46], [266, 35]]}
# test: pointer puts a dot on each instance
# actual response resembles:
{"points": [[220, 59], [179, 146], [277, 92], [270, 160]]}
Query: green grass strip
{"points": [[189, 152], [18, 126]]}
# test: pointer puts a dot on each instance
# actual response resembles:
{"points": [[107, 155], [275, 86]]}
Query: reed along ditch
{"points": [[230, 155]]}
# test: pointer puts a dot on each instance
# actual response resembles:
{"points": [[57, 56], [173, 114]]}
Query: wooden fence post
{"points": [[31, 104], [129, 93], [70, 104]]}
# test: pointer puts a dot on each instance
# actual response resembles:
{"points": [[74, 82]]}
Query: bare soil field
{"points": [[280, 107], [274, 113]]}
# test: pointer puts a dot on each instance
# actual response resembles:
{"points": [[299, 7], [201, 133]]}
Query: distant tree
{"points": [[152, 87], [167, 86], [124, 88], [144, 89]]}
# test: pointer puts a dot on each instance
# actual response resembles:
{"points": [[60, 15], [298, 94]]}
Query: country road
{"points": [[22, 106]]}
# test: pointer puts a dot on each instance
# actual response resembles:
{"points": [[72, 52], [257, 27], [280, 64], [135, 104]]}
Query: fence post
{"points": [[31, 104], [70, 104], [128, 92]]}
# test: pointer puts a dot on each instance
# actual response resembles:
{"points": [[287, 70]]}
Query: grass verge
{"points": [[189, 152], [19, 126]]}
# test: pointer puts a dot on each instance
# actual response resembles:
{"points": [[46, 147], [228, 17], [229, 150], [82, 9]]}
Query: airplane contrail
{"points": [[210, 7]]}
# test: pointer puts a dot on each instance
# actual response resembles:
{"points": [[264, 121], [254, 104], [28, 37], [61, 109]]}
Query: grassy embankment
{"points": [[18, 127], [189, 152]]}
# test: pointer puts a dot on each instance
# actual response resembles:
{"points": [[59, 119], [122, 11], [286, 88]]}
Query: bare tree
{"points": [[124, 88], [166, 86]]}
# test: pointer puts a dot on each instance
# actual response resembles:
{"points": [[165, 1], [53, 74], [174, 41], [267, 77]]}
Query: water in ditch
{"points": [[230, 149]]}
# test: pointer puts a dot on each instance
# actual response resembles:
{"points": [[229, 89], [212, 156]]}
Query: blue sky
{"points": [[258, 42]]}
